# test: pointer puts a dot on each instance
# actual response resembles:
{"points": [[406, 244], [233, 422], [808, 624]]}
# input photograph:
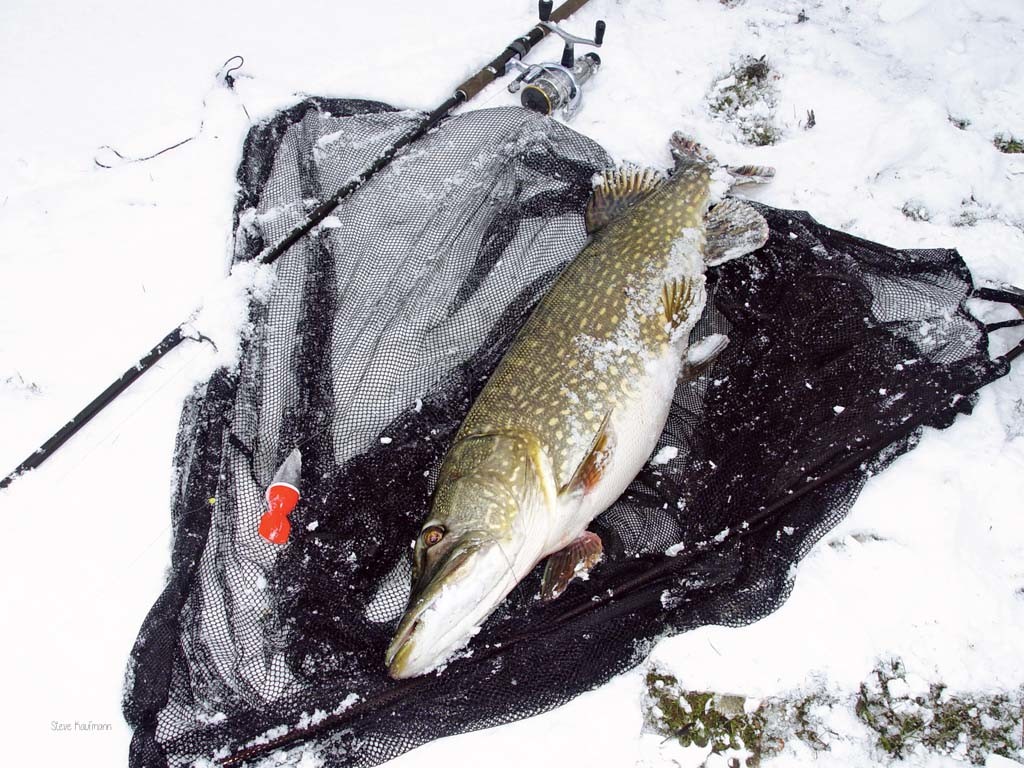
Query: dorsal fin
{"points": [[620, 189]]}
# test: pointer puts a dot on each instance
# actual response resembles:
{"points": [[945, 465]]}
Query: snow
{"points": [[665, 455], [98, 264]]}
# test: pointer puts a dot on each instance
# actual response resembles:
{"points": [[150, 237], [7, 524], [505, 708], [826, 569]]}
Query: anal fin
{"points": [[733, 229], [575, 561], [702, 355]]}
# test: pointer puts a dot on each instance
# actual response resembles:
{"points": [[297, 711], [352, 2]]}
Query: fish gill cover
{"points": [[382, 326]]}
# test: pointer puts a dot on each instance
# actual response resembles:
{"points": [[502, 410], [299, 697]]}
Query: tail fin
{"points": [[734, 228], [687, 151], [750, 174]]}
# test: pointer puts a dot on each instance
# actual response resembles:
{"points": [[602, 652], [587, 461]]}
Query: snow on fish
{"points": [[575, 408]]}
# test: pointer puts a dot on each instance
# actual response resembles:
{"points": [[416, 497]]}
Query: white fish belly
{"points": [[635, 426], [637, 423]]}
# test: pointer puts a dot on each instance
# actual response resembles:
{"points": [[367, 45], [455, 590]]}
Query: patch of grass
{"points": [[971, 212], [746, 97], [809, 727], [916, 211], [901, 721], [703, 718], [960, 122], [963, 727], [18, 383], [1015, 428], [724, 724], [1009, 145]]}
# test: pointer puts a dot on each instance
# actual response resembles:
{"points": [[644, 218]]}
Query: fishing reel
{"points": [[550, 87]]}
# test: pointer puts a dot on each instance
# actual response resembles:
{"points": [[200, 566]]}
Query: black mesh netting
{"points": [[366, 353]]}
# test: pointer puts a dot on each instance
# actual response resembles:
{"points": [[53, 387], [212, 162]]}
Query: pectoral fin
{"points": [[574, 561], [588, 473], [621, 189], [734, 229]]}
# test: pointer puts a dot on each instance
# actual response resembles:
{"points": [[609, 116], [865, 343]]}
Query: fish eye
{"points": [[432, 535]]}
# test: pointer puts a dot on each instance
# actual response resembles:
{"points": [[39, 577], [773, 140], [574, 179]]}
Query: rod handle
{"points": [[483, 78]]}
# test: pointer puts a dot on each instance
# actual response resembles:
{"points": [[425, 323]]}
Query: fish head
{"points": [[483, 535]]}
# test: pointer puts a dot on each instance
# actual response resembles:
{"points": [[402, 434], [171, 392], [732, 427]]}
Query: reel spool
{"points": [[549, 87]]}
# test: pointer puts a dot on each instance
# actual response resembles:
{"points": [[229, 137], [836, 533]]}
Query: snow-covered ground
{"points": [[98, 264]]}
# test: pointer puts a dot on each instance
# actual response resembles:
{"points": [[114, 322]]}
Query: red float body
{"points": [[281, 500]]}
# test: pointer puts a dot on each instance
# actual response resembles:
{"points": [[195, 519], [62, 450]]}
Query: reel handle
{"points": [[544, 8], [570, 38], [568, 55]]}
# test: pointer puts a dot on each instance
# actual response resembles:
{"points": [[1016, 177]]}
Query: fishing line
{"points": [[114, 581], [463, 93], [225, 75], [198, 337]]}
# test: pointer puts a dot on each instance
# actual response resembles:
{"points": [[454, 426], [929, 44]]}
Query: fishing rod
{"points": [[550, 87]]}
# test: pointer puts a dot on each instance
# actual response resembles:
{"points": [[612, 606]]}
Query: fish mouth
{"points": [[400, 648], [423, 597]]}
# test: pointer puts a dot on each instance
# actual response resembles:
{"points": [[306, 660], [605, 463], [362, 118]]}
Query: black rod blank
{"points": [[65, 433], [466, 91]]}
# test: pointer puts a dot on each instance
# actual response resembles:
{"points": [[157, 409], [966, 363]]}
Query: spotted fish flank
{"points": [[576, 406]]}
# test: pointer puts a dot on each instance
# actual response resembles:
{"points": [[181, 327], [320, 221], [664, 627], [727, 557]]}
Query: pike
{"points": [[576, 406]]}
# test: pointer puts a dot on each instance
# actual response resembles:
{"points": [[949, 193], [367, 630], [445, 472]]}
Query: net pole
{"points": [[463, 93]]}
